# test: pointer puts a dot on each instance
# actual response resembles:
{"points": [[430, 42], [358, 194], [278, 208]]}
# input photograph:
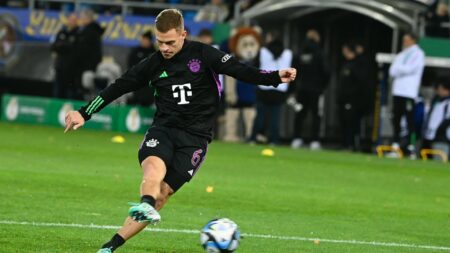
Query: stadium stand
{"points": [[377, 25]]}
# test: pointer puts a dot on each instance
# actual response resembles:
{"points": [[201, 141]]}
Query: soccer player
{"points": [[184, 74]]}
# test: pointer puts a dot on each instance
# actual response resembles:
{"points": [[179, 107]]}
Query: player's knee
{"points": [[153, 163], [153, 169]]}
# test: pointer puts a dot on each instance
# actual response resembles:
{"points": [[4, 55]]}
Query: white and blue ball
{"points": [[220, 236]]}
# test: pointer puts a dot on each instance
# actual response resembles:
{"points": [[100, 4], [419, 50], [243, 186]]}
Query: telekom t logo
{"points": [[182, 91]]}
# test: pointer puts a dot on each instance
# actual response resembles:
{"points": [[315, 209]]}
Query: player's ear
{"points": [[184, 34]]}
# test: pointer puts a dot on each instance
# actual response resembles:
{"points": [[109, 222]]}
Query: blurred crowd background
{"points": [[370, 74]]}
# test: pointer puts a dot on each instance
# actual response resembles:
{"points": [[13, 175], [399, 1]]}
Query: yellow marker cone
{"points": [[118, 139], [267, 152], [209, 189]]}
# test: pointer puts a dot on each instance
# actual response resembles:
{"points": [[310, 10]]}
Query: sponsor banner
{"points": [[25, 109], [135, 119], [38, 110], [119, 30], [105, 120]]}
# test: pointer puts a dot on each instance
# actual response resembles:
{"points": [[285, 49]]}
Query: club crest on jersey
{"points": [[152, 143], [194, 65]]}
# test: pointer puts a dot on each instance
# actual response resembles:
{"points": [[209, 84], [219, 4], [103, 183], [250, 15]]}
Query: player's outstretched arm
{"points": [[74, 120], [223, 63], [287, 75]]}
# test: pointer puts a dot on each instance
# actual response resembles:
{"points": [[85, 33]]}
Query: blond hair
{"points": [[169, 19]]}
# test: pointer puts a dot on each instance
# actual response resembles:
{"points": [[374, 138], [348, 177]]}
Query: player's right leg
{"points": [[155, 152]]}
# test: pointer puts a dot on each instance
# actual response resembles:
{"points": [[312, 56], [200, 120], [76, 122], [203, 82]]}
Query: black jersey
{"points": [[187, 87]]}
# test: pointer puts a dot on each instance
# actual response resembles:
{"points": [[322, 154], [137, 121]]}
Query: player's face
{"points": [[170, 42]]}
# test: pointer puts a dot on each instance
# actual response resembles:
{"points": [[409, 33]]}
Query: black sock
{"points": [[148, 199], [115, 242]]}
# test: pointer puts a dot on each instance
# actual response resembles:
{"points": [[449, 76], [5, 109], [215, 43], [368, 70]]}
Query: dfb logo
{"points": [[182, 91]]}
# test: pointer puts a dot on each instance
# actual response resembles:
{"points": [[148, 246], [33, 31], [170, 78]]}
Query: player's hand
{"points": [[288, 75], [74, 120]]}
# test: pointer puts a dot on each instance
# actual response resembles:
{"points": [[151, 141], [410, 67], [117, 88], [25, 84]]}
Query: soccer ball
{"points": [[220, 236]]}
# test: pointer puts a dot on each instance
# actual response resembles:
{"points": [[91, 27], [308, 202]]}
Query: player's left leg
{"points": [[131, 227]]}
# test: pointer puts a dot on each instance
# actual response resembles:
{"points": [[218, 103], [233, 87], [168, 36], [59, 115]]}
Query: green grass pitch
{"points": [[352, 202]]}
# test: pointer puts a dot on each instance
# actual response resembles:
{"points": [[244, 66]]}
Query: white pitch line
{"points": [[190, 231]]}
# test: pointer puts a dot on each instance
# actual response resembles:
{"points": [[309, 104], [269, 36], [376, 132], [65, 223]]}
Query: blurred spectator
{"points": [[312, 83], [214, 12], [146, 47], [368, 67], [350, 87], [7, 39], [196, 2], [434, 26], [437, 131], [369, 82], [65, 62], [244, 5], [270, 99], [406, 70], [89, 45], [106, 72], [90, 41], [205, 36]]}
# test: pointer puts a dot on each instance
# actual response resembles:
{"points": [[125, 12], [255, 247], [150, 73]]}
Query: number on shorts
{"points": [[196, 158]]}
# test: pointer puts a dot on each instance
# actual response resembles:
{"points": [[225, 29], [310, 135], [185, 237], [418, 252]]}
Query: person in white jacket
{"points": [[406, 70]]}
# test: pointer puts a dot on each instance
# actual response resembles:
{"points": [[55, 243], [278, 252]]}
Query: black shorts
{"points": [[182, 152]]}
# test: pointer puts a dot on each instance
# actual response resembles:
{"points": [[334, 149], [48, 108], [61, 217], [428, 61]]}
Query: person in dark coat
{"points": [[64, 49], [311, 85], [90, 41], [435, 20], [350, 88], [143, 96], [145, 48], [89, 44]]}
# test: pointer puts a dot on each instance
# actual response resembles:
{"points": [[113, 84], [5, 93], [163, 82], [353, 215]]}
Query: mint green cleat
{"points": [[144, 212], [104, 250]]}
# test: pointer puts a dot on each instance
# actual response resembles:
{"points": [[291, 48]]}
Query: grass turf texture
{"points": [[82, 177]]}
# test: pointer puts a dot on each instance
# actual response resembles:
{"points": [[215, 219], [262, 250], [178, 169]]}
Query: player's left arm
{"points": [[223, 63]]}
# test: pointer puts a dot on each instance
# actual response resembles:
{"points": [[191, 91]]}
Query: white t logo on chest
{"points": [[182, 91]]}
